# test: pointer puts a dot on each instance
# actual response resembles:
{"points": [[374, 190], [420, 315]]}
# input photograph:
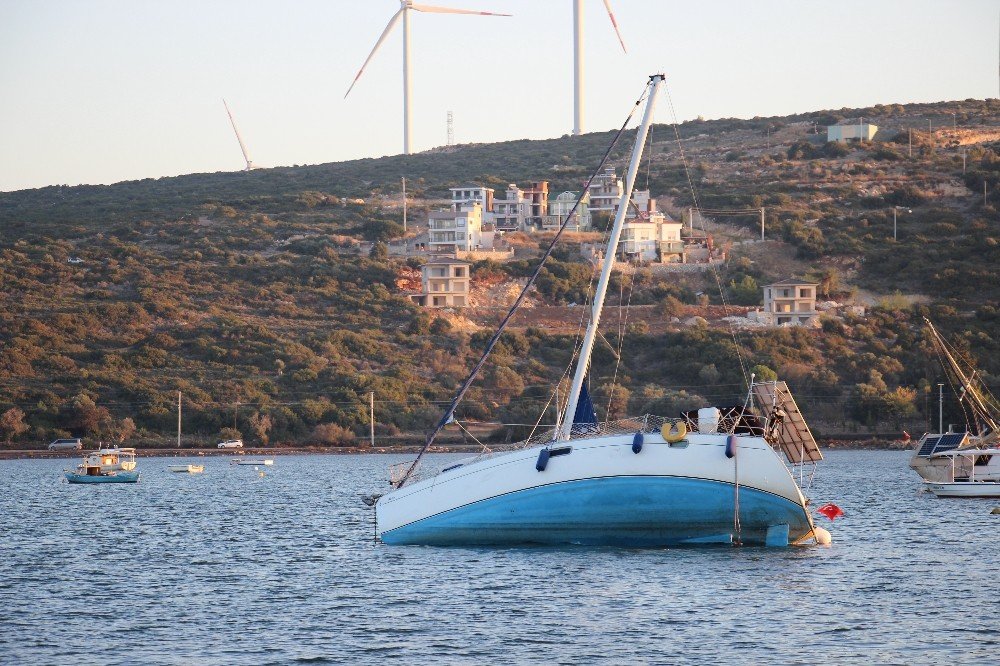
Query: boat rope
{"points": [[449, 414], [622, 325], [969, 418], [485, 448], [715, 272]]}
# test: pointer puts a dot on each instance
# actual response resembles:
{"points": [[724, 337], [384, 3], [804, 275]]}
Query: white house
{"points": [[453, 230], [845, 133], [468, 194]]}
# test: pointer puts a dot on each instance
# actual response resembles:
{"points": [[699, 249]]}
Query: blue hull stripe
{"points": [[621, 511]]}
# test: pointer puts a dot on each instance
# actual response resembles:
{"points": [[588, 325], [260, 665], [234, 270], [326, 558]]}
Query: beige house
{"points": [[845, 133], [605, 191], [510, 211], [445, 284], [790, 302]]}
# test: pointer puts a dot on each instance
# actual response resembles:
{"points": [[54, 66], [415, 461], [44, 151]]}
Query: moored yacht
{"points": [[942, 457], [977, 482]]}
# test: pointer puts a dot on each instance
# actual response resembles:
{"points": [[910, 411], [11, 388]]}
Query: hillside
{"points": [[245, 291]]}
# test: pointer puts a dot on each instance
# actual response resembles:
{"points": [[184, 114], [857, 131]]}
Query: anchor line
{"points": [[449, 414], [736, 490]]}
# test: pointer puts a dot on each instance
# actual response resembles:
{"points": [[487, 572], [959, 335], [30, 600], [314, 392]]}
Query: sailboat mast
{"points": [[610, 253], [978, 405]]}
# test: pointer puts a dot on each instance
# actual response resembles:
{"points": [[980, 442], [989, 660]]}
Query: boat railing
{"points": [[648, 423], [398, 470]]}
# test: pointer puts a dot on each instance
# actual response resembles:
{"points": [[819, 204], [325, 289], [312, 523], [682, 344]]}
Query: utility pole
{"points": [[178, 419], [371, 405], [910, 132], [691, 220], [894, 211], [941, 408], [451, 129], [965, 154], [930, 134], [404, 204], [236, 411], [762, 223]]}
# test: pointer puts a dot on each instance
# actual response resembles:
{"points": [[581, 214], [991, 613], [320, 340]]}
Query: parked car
{"points": [[66, 445], [231, 444]]}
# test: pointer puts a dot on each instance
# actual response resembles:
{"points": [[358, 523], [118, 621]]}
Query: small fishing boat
{"points": [[970, 485], [186, 469], [106, 465], [254, 461]]}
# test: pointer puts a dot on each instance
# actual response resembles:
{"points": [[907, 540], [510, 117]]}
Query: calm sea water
{"points": [[228, 567]]}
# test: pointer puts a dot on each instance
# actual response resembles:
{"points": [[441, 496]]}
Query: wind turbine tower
{"points": [[578, 59], [405, 7], [246, 156]]}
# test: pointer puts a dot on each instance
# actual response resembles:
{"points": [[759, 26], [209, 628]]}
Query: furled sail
{"points": [[585, 413]]}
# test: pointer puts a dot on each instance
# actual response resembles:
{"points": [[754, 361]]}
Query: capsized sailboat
{"points": [[645, 481], [934, 456]]}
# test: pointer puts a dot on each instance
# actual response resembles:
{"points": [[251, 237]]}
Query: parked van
{"points": [[66, 445], [231, 444]]}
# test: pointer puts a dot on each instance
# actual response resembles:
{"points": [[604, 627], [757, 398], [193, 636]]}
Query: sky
{"points": [[100, 91]]}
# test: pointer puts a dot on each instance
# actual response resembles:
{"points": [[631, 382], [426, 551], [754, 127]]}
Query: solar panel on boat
{"points": [[949, 442], [927, 447]]}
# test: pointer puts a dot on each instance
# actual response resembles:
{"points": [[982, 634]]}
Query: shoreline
{"points": [[157, 452]]}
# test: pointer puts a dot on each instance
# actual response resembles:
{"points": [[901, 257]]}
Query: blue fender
{"points": [[543, 460], [731, 443]]}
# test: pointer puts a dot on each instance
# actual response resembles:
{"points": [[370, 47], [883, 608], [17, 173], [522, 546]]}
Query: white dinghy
{"points": [[647, 481]]}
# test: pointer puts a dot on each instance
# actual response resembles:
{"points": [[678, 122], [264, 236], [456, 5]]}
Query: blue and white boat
{"points": [[716, 478], [106, 465]]}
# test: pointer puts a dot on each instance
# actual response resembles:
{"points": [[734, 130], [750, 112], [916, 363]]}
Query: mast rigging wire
{"points": [[694, 197], [450, 412]]}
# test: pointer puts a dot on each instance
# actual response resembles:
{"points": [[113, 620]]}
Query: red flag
{"points": [[906, 436], [831, 511]]}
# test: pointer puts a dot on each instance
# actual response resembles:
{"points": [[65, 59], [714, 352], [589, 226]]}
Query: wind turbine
{"points": [[405, 6], [243, 147], [578, 60]]}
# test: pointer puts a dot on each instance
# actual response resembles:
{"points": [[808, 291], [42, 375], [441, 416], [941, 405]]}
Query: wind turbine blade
{"points": [[450, 10], [385, 33], [239, 138], [607, 5]]}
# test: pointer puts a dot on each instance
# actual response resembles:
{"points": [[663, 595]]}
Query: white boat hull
{"points": [[965, 488], [186, 469], [603, 493]]}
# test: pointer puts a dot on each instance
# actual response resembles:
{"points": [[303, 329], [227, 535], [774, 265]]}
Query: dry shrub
{"points": [[332, 434]]}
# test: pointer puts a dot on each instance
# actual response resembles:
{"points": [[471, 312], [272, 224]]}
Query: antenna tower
{"points": [[451, 129]]}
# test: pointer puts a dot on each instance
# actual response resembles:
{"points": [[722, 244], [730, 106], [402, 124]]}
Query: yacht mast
{"points": [[610, 253], [975, 398]]}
